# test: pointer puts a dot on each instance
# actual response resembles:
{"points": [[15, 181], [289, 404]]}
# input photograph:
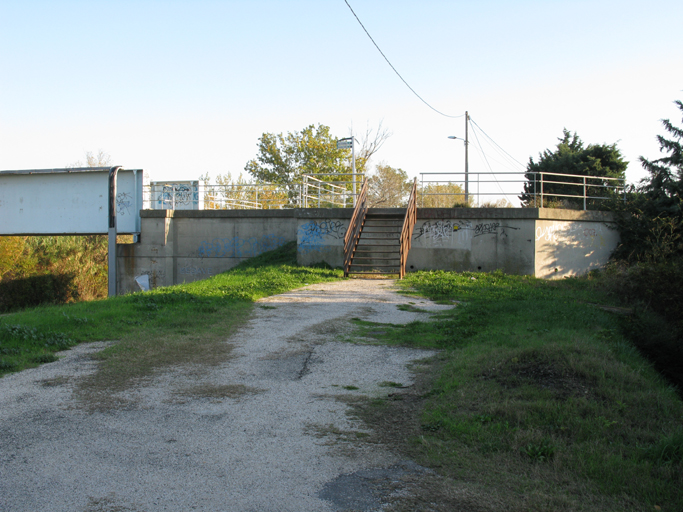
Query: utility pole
{"points": [[467, 144]]}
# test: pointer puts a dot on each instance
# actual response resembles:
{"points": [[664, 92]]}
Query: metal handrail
{"points": [[355, 227], [407, 231], [537, 178]]}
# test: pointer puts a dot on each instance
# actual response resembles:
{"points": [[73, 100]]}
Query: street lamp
{"points": [[467, 143]]}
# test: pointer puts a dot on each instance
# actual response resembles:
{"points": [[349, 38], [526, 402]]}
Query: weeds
{"points": [[179, 325], [532, 375]]}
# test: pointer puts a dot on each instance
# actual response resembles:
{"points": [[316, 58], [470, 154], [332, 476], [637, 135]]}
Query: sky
{"points": [[181, 88]]}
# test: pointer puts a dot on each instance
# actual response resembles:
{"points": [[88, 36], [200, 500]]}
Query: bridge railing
{"points": [[447, 189]]}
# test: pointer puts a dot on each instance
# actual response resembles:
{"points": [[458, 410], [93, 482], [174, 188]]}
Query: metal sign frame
{"points": [[89, 208]]}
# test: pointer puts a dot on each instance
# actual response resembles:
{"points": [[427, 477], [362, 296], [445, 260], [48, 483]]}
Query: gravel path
{"points": [[263, 432]]}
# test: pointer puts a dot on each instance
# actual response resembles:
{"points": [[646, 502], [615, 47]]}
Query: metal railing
{"points": [[355, 226], [323, 194], [407, 231], [310, 192], [444, 188]]}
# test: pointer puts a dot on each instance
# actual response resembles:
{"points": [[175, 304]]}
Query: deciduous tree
{"points": [[388, 187], [284, 159]]}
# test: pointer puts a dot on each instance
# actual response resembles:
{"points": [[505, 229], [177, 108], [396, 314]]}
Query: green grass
{"points": [[537, 392], [177, 325]]}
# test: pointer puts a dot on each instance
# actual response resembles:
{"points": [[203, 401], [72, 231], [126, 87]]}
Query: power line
{"points": [[488, 137], [488, 164], [392, 66]]}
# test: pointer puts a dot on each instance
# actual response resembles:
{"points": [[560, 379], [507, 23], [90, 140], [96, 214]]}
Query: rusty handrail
{"points": [[408, 225], [355, 227]]}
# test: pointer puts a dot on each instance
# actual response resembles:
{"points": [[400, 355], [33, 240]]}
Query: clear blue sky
{"points": [[180, 87]]}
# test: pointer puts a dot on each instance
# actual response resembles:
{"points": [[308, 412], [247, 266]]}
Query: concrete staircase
{"points": [[378, 249]]}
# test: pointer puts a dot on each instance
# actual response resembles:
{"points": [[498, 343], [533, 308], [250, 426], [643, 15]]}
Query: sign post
{"points": [[349, 143]]}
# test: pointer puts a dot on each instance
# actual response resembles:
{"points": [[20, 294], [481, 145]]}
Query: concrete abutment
{"points": [[179, 246]]}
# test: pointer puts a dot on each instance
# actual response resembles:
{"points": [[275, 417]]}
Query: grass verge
{"points": [[536, 398], [181, 325]]}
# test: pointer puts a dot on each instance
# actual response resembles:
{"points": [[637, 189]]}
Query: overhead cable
{"points": [[488, 137], [392, 66], [481, 148]]}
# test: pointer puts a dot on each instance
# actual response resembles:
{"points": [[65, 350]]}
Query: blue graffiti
{"points": [[312, 235], [237, 247]]}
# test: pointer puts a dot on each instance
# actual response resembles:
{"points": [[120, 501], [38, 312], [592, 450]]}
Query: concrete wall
{"points": [[182, 246], [570, 243]]}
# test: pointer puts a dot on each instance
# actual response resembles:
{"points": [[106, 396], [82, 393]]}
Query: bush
{"points": [[35, 290], [51, 269]]}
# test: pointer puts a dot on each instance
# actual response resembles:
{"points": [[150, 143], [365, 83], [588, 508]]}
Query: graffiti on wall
{"points": [[314, 235], [124, 202], [575, 232], [441, 233], [237, 247]]}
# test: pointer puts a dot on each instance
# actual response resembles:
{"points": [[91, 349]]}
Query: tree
{"points": [[370, 143], [101, 159], [571, 157], [665, 183], [652, 229], [284, 159], [388, 187], [437, 195]]}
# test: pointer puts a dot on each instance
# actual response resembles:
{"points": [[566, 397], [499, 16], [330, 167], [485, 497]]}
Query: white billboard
{"points": [[68, 201]]}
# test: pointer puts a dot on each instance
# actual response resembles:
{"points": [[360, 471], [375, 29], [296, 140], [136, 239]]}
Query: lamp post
{"points": [[467, 170]]}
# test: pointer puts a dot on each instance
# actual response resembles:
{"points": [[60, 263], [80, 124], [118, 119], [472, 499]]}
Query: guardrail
{"points": [[586, 186], [310, 192], [408, 225]]}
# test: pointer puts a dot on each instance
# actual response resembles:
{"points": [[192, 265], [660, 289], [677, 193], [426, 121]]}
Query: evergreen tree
{"points": [[571, 157], [652, 228]]}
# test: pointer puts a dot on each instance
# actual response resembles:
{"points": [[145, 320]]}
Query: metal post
{"points": [[111, 234], [584, 193], [467, 144], [541, 189], [353, 167]]}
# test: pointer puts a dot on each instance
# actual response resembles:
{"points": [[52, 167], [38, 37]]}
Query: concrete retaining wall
{"points": [[182, 246]]}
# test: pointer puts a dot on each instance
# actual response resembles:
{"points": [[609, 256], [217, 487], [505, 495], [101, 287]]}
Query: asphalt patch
{"points": [[369, 489]]}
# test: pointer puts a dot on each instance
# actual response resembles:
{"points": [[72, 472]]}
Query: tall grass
{"points": [[537, 392]]}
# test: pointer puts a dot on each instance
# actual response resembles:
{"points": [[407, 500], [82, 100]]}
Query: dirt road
{"points": [[266, 431]]}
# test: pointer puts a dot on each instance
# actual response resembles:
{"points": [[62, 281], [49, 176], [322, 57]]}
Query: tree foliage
{"points": [[571, 157], [651, 228], [388, 187], [284, 159], [99, 159], [446, 195]]}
